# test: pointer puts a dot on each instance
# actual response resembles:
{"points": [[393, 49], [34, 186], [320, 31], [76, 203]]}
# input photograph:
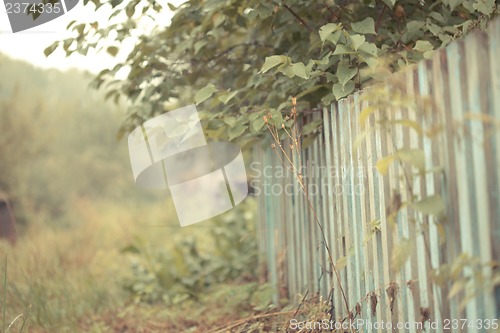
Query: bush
{"points": [[187, 269]]}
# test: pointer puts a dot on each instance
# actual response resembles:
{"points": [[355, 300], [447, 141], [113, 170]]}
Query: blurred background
{"points": [[92, 252]]}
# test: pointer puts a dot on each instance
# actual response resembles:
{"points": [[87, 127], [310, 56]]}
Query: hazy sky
{"points": [[29, 45]]}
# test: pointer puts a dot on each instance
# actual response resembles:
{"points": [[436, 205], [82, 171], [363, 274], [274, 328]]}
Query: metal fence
{"points": [[397, 263]]}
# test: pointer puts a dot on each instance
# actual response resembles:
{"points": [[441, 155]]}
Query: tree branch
{"points": [[229, 49], [334, 15], [379, 19], [297, 16]]}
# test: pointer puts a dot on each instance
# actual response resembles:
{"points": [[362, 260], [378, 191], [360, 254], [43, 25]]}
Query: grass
{"points": [[24, 315], [71, 279], [67, 274]]}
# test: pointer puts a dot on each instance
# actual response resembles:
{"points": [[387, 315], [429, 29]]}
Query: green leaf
{"points": [[66, 44], [437, 16], [431, 205], [219, 19], [414, 29], [276, 117], [130, 10], [375, 226], [409, 123], [112, 50], [367, 111], [255, 115], [390, 3], [341, 263], [357, 41], [236, 131], [434, 28], [345, 73], [324, 61], [369, 48], [226, 97], [486, 7], [367, 26], [48, 51], [230, 120], [456, 288], [327, 30], [273, 61], [257, 125], [109, 94], [204, 93], [372, 63], [466, 25], [328, 99], [423, 46], [265, 10], [115, 3], [171, 7], [340, 90], [199, 45], [342, 49], [298, 69], [382, 165], [312, 126], [70, 24], [262, 298], [401, 252], [334, 38], [415, 157], [455, 3]]}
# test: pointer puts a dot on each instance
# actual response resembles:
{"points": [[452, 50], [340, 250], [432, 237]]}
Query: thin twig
{"points": [[298, 309], [379, 19], [335, 16], [297, 16], [274, 132], [246, 320]]}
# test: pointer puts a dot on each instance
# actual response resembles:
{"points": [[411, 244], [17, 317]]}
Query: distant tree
{"points": [[50, 156], [17, 144], [242, 59]]}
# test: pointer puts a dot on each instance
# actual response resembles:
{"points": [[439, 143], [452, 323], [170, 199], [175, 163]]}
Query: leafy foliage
{"points": [[469, 276], [186, 271], [242, 59]]}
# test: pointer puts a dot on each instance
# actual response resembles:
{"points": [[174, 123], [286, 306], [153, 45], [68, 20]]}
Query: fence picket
{"points": [[448, 108]]}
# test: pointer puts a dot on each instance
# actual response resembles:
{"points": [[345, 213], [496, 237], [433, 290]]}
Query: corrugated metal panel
{"points": [[457, 94]]}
